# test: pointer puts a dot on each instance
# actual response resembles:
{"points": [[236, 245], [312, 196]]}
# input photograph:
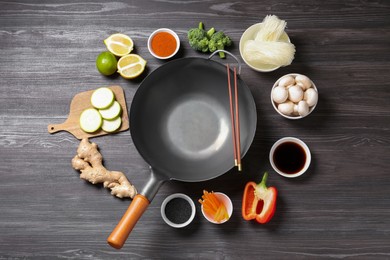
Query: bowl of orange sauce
{"points": [[163, 43]]}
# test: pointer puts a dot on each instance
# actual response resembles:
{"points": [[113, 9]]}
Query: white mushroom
{"points": [[286, 108], [295, 94], [303, 108], [295, 113], [279, 94], [311, 97], [303, 81], [286, 81]]}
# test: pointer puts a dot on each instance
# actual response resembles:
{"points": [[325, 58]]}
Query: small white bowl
{"points": [[178, 196], [250, 34], [167, 31], [228, 204], [274, 104], [302, 145]]}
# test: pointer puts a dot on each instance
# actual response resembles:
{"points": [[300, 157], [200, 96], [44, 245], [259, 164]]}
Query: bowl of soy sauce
{"points": [[178, 210], [290, 157]]}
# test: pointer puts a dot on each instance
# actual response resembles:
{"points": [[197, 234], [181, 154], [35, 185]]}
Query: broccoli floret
{"points": [[210, 32], [198, 39], [210, 40], [219, 41]]}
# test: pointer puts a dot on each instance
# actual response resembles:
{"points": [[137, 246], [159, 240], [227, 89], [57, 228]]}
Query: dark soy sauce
{"points": [[289, 157], [178, 210]]}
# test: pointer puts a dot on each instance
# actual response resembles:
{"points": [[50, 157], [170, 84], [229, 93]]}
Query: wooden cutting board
{"points": [[79, 103]]}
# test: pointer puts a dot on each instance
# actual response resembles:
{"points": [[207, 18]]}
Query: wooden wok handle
{"points": [[126, 224]]}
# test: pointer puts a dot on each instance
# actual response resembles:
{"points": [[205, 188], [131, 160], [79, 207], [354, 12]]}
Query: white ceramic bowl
{"points": [[180, 196], [228, 204], [159, 31], [250, 34], [274, 104], [300, 143]]}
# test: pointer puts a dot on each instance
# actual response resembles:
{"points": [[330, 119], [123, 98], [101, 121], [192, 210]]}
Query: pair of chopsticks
{"points": [[235, 119]]}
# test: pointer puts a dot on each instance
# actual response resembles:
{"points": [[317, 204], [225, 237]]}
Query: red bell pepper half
{"points": [[259, 201]]}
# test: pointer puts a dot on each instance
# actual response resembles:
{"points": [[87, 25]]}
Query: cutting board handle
{"points": [[54, 128]]}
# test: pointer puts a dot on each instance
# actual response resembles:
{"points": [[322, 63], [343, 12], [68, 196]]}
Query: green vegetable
{"points": [[210, 32], [102, 98], [198, 39], [90, 120], [112, 111], [208, 41], [110, 126], [105, 114], [218, 41]]}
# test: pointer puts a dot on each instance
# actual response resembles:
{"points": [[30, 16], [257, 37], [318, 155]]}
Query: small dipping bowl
{"points": [[178, 210], [290, 157], [250, 34], [163, 43], [228, 204], [275, 105]]}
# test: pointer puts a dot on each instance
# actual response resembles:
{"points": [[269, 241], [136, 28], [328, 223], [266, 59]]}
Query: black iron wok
{"points": [[180, 124]]}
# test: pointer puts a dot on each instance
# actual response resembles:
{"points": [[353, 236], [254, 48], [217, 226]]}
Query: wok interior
{"points": [[180, 120]]}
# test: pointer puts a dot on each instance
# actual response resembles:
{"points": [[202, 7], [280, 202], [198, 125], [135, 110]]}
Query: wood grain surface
{"points": [[339, 209]]}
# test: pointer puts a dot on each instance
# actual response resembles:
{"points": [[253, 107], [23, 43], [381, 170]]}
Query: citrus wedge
{"points": [[131, 66], [119, 44]]}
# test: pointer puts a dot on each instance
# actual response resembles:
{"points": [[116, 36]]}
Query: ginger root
{"points": [[89, 161]]}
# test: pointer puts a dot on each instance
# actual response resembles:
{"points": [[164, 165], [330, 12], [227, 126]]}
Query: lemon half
{"points": [[119, 44], [131, 66]]}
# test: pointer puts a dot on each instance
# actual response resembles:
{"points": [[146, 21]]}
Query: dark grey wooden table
{"points": [[339, 209]]}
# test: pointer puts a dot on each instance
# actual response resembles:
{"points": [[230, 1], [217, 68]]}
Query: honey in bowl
{"points": [[289, 157]]}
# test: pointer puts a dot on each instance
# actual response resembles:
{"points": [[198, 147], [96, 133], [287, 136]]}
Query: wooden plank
{"points": [[338, 209]]}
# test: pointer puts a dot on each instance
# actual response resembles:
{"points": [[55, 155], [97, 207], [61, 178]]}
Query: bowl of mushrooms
{"points": [[294, 96]]}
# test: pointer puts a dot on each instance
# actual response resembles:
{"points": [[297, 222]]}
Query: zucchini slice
{"points": [[90, 120], [102, 98], [110, 126], [112, 111]]}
